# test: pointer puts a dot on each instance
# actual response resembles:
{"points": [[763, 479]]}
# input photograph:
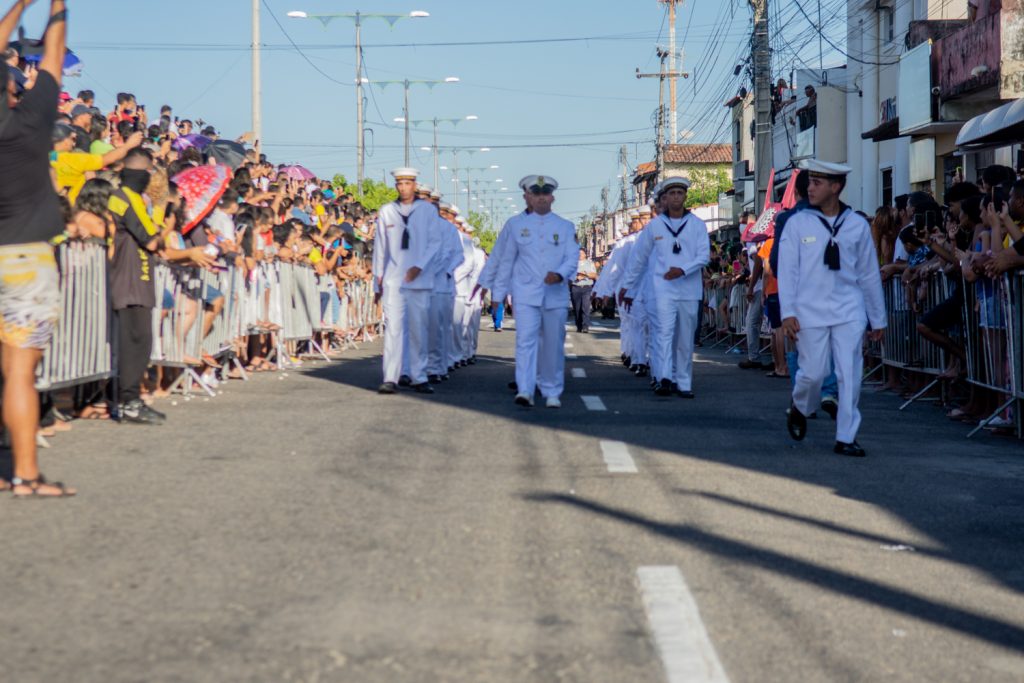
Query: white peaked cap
{"points": [[405, 172]]}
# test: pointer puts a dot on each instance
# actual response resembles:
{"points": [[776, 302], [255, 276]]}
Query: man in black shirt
{"points": [[132, 292], [29, 217]]}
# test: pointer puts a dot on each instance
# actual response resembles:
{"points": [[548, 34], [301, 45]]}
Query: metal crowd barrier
{"points": [[991, 331], [80, 349], [178, 330]]}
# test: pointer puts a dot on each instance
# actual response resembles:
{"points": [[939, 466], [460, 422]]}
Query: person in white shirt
{"points": [[676, 247], [829, 290], [403, 249], [442, 299], [537, 262]]}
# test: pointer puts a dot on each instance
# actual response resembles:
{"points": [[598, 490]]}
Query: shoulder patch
{"points": [[117, 205]]}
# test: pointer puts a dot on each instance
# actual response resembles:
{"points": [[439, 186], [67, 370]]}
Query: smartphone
{"points": [[920, 223], [997, 199]]}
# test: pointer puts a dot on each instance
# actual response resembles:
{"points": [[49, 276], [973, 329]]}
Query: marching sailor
{"points": [[404, 247], [676, 244], [830, 289], [536, 262], [442, 300]]}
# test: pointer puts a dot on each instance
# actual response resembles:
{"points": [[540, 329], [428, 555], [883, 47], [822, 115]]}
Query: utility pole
{"points": [[761, 56], [257, 113], [674, 115], [623, 197], [436, 153], [661, 76], [360, 120]]}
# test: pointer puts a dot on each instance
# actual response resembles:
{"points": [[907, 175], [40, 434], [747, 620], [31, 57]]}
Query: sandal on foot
{"points": [[35, 484]]}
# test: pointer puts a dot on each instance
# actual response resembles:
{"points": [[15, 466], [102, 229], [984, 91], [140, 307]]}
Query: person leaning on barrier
{"points": [[1012, 220], [31, 216]]}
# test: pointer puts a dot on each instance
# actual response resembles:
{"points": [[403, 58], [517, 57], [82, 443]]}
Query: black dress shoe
{"points": [[642, 371], [830, 406], [452, 368], [424, 388], [852, 450], [387, 388], [472, 361], [627, 361], [404, 381], [750, 365], [463, 363], [664, 388], [434, 379], [796, 423], [445, 378], [513, 386], [684, 394]]}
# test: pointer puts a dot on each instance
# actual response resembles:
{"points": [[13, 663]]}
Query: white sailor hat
{"points": [[538, 184], [825, 169], [461, 220], [445, 206], [476, 241], [468, 228], [645, 210], [669, 183], [423, 188], [434, 194], [633, 213], [455, 210], [405, 173]]}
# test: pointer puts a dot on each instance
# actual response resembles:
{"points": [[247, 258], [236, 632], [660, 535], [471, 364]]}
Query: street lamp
{"points": [[357, 18], [406, 83], [436, 121]]}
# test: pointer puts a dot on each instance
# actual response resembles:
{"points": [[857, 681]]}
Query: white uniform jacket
{"points": [[390, 260], [537, 245], [817, 296], [463, 282], [657, 239], [608, 280], [490, 272], [449, 256]]}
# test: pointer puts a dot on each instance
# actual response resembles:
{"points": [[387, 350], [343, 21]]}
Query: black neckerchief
{"points": [[832, 250], [405, 222], [675, 233]]}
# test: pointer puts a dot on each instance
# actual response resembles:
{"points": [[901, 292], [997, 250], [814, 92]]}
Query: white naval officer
{"points": [[537, 262], [448, 257], [403, 249], [830, 289], [675, 246]]}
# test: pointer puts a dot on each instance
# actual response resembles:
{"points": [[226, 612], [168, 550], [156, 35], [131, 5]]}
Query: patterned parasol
{"points": [[202, 187]]}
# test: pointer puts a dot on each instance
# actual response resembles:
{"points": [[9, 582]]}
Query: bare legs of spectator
{"points": [[779, 352], [21, 417], [954, 351]]}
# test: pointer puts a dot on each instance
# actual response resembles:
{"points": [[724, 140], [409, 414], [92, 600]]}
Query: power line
{"points": [[299, 50]]}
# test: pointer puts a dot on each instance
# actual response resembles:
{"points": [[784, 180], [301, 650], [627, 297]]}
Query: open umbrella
{"points": [[31, 50], [296, 172], [202, 187], [183, 142], [227, 152]]}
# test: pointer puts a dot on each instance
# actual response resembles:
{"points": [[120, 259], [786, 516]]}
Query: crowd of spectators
{"points": [[76, 173]]}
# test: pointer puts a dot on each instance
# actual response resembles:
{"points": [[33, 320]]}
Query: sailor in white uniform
{"points": [[675, 246], [403, 249], [449, 256], [537, 262], [475, 303], [830, 289], [610, 276]]}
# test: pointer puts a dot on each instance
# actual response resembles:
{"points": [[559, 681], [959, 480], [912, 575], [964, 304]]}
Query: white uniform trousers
{"points": [[406, 313], [841, 344], [440, 338], [473, 327], [458, 350], [641, 312], [625, 331], [540, 350], [672, 332]]}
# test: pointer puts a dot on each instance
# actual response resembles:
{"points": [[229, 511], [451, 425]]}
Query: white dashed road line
{"points": [[571, 356], [568, 345], [617, 457], [683, 643], [579, 373], [593, 403]]}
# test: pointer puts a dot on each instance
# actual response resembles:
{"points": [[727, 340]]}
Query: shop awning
{"points": [[1002, 126], [890, 130]]}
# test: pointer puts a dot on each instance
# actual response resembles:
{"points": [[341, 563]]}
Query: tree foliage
{"points": [[706, 185], [373, 195], [484, 229]]}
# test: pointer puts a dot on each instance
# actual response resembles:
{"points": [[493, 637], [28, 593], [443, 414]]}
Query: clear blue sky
{"points": [[194, 55]]}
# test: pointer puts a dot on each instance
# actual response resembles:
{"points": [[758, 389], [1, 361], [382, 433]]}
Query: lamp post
{"points": [[435, 149], [468, 171], [357, 18], [406, 84]]}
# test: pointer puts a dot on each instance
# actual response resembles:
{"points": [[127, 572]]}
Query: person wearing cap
{"points": [[536, 264], [607, 285], [474, 307], [449, 256], [642, 308], [830, 289], [675, 246], [403, 249], [81, 122]]}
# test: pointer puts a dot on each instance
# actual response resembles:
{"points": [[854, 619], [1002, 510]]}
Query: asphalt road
{"points": [[303, 528]]}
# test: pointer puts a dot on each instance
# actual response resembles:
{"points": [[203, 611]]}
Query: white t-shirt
{"points": [[222, 224]]}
